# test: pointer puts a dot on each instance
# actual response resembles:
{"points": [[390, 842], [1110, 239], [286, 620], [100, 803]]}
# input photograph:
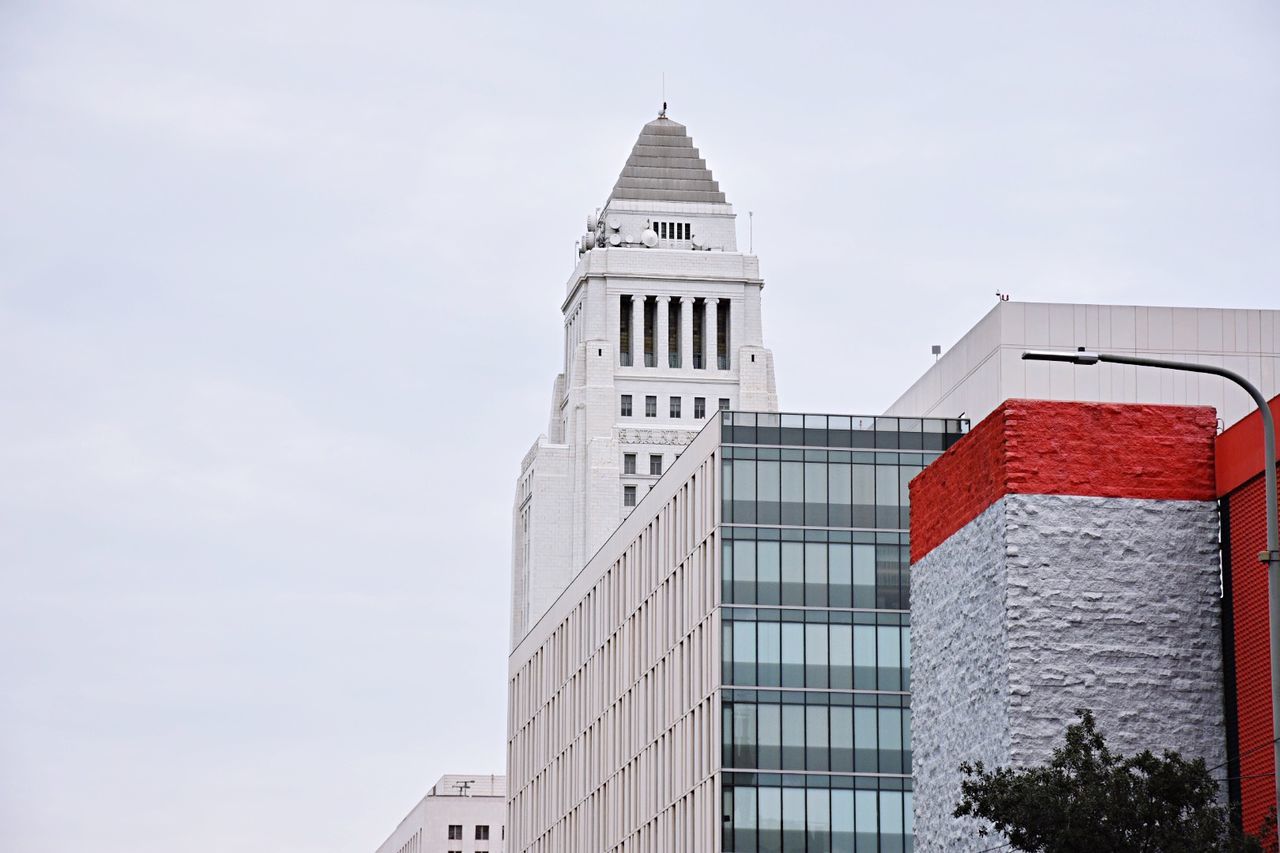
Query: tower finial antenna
{"points": [[663, 114]]}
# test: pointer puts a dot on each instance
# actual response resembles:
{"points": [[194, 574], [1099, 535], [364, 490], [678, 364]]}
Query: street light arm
{"points": [[1272, 554]]}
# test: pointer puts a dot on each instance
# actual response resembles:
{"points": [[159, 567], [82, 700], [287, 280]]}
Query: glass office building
{"points": [[816, 637], [731, 671]]}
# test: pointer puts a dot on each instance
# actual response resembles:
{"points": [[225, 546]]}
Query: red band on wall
{"points": [[1042, 447]]}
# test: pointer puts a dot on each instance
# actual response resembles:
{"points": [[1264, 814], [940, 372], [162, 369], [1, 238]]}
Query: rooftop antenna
{"points": [[663, 114], [464, 787], [751, 232]]}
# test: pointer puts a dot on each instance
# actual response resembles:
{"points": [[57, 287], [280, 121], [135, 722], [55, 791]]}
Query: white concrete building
{"points": [[984, 368], [460, 814], [661, 328]]}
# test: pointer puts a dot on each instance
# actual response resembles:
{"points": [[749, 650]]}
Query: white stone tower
{"points": [[661, 328]]}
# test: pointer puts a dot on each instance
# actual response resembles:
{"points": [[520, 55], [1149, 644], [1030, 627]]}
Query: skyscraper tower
{"points": [[661, 328]]}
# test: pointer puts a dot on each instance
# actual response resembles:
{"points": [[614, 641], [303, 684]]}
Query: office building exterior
{"points": [[662, 327], [460, 814], [731, 671], [985, 367]]}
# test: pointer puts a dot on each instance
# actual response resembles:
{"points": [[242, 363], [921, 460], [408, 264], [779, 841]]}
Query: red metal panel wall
{"points": [[1246, 514]]}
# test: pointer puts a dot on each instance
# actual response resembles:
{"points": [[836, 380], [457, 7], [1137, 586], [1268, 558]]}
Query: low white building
{"points": [[985, 367], [460, 814]]}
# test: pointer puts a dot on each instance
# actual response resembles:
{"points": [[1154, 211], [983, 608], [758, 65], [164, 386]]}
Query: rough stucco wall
{"points": [[1115, 604], [1106, 603], [959, 673]]}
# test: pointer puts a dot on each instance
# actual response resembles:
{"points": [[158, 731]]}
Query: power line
{"points": [[1246, 752]]}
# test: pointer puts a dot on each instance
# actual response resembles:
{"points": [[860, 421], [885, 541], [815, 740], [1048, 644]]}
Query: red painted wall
{"points": [[1247, 535], [1043, 447], [1240, 482]]}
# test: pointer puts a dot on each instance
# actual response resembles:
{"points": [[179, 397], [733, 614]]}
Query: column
{"points": [[660, 331], [637, 330], [686, 332], [710, 354]]}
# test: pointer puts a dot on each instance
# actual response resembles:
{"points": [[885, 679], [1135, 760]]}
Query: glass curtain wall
{"points": [[815, 705]]}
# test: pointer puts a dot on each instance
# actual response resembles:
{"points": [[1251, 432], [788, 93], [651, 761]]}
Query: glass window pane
{"points": [[744, 819], [793, 655], [842, 740], [906, 737], [815, 655], [815, 574], [744, 491], [744, 735], [839, 480], [726, 572], [793, 820], [744, 571], [841, 654], [841, 821], [840, 568], [744, 652], [891, 740], [770, 823], [864, 740], [817, 755], [792, 737], [726, 489], [864, 575], [889, 657], [769, 750], [819, 820], [792, 493], [906, 658], [769, 653], [792, 573], [768, 573], [889, 577], [726, 652], [864, 657], [768, 492], [815, 493], [864, 496], [866, 821], [886, 495], [891, 822]]}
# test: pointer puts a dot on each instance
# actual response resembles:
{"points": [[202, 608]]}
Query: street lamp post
{"points": [[1271, 556]]}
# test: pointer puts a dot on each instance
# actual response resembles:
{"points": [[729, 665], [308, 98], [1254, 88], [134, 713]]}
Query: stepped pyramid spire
{"points": [[665, 166]]}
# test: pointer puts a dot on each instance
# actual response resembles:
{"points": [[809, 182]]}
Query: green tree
{"points": [[1088, 799]]}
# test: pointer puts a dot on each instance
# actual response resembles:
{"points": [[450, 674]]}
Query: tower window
{"points": [[628, 495], [699, 407], [650, 407], [675, 407], [628, 463], [724, 404], [655, 463], [625, 408]]}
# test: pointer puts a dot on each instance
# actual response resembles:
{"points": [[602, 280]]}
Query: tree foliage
{"points": [[1088, 798]]}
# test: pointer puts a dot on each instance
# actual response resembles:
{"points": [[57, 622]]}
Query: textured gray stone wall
{"points": [[959, 673], [1106, 603]]}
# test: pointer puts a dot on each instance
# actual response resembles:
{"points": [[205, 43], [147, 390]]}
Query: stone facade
{"points": [[1047, 603]]}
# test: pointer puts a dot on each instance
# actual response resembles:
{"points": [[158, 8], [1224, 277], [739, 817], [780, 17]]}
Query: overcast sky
{"points": [[279, 316]]}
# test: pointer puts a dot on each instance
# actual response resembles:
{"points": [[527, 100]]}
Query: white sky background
{"points": [[279, 316]]}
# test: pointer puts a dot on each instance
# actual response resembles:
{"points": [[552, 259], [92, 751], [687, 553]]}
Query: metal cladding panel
{"points": [[1246, 536]]}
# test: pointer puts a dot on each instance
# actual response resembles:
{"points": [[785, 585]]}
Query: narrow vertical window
{"points": [[675, 407], [628, 495], [628, 463], [625, 409], [655, 463], [699, 407], [650, 407], [724, 404]]}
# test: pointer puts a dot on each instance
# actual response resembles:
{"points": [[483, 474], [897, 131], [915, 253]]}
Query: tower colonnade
{"points": [[698, 337]]}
